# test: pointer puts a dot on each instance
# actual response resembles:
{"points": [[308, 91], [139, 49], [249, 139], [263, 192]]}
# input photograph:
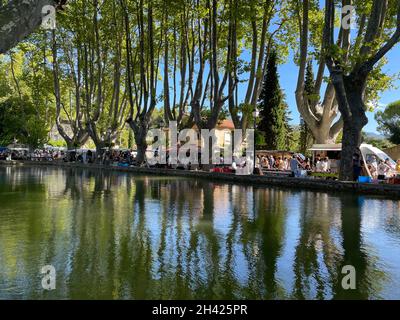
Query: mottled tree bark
{"points": [[19, 18]]}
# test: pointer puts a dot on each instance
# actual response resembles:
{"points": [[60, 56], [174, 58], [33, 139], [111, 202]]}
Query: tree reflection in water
{"points": [[115, 235]]}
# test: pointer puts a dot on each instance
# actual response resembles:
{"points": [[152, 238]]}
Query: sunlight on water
{"points": [[120, 236]]}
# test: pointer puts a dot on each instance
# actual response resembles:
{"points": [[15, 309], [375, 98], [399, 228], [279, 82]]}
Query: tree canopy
{"points": [[389, 122]]}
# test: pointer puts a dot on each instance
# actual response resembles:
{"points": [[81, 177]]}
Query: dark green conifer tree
{"points": [[272, 108]]}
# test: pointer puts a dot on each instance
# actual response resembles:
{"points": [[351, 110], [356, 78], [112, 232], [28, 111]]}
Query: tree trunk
{"points": [[140, 132], [141, 145], [350, 91], [18, 19], [100, 150], [322, 134], [350, 146]]}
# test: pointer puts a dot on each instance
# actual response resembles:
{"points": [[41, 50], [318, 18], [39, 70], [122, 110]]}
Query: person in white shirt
{"points": [[285, 164], [374, 168], [234, 166], [383, 169], [325, 165], [319, 166]]}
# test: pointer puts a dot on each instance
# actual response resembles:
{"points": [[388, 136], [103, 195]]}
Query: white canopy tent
{"points": [[367, 152]]}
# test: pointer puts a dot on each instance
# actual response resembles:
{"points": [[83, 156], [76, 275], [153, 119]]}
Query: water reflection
{"points": [[119, 236]]}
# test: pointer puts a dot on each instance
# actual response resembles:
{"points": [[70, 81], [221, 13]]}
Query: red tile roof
{"points": [[226, 124]]}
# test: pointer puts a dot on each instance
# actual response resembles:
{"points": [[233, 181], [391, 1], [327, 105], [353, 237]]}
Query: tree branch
{"points": [[369, 64], [303, 107]]}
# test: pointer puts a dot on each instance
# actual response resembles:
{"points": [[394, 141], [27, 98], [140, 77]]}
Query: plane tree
{"points": [[68, 86], [320, 108], [88, 72], [143, 39], [350, 69]]}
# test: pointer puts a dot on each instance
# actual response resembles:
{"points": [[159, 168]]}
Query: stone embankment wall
{"points": [[387, 190]]}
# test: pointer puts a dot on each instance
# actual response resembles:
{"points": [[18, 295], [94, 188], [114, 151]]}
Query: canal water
{"points": [[122, 236]]}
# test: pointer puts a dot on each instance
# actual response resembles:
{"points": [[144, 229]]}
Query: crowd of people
{"points": [[83, 156], [381, 170], [295, 164], [375, 168], [282, 163], [7, 154]]}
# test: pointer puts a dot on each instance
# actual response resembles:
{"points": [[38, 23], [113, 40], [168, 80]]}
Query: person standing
{"points": [[325, 165], [374, 168], [383, 169], [286, 164], [271, 162], [356, 166], [319, 166], [316, 160], [307, 164], [392, 167], [294, 166], [234, 166]]}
